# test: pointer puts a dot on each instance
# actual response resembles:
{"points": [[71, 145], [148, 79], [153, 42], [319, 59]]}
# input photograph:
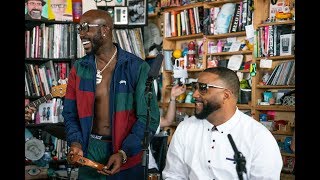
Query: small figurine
{"points": [[191, 55]]}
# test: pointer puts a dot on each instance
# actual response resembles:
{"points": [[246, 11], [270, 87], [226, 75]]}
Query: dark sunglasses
{"points": [[203, 87], [85, 27]]}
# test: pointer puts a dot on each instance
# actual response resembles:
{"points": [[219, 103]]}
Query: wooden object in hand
{"points": [[86, 162]]}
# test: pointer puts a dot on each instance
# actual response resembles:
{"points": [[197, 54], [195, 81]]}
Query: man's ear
{"points": [[227, 94]]}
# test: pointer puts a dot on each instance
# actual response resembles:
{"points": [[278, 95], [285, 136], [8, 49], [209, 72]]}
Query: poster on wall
{"points": [[137, 12], [109, 3], [36, 10], [60, 10]]}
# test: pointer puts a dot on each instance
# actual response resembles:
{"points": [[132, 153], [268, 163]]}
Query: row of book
{"points": [[130, 40], [60, 150], [236, 21], [268, 38], [51, 41], [185, 22], [40, 78], [231, 17], [283, 74]]}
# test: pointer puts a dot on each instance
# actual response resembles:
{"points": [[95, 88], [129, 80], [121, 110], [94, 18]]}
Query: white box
{"points": [[120, 15], [287, 43]]}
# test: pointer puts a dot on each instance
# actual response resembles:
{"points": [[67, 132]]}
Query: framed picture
{"points": [[120, 15], [109, 3], [137, 12]]}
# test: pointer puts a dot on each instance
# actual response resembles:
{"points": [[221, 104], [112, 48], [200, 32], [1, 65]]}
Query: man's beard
{"points": [[207, 110], [35, 14], [97, 42]]}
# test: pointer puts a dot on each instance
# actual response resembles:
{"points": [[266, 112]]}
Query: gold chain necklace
{"points": [[98, 75]]}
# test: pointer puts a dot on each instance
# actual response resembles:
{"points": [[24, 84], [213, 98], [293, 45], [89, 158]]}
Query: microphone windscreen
{"points": [[155, 66]]}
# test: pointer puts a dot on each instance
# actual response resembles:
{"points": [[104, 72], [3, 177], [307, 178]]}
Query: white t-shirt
{"points": [[199, 152]]}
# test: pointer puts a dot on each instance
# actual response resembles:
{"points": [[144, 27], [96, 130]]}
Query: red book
{"points": [[192, 21]]}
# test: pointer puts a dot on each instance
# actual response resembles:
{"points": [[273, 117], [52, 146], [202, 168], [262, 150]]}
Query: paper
{"points": [[249, 31], [235, 46], [265, 63], [235, 62]]}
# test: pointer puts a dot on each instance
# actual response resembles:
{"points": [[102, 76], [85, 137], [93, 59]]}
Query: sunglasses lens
{"points": [[82, 27], [201, 87]]}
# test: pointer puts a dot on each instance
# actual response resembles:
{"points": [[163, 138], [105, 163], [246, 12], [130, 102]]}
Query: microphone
{"points": [[155, 67], [239, 159], [154, 71], [234, 147]]}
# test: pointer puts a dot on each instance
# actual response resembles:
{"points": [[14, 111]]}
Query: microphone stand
{"points": [[239, 159], [145, 158]]}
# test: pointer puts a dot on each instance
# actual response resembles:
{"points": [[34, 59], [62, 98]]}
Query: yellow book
{"points": [[179, 24]]}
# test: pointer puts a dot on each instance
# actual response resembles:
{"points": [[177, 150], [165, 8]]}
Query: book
{"points": [[236, 18]]}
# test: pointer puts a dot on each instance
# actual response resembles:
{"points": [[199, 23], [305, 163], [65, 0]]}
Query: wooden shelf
{"points": [[188, 86], [288, 154], [243, 106], [282, 133], [243, 70], [179, 8], [42, 60], [290, 22], [44, 125], [191, 105], [218, 3], [285, 176], [220, 36], [189, 70], [275, 108], [275, 58], [191, 36], [153, 15], [229, 53], [180, 105], [274, 87]]}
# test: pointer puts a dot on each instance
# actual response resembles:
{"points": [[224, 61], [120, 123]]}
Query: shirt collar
{"points": [[227, 126]]}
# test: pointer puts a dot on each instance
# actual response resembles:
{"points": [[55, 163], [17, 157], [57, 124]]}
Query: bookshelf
{"points": [[202, 38], [51, 47], [279, 111]]}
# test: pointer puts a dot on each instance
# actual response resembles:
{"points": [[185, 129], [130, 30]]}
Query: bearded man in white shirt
{"points": [[200, 148]]}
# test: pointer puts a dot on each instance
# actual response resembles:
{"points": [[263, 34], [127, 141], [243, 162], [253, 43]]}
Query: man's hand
{"points": [[113, 165], [177, 90], [75, 148]]}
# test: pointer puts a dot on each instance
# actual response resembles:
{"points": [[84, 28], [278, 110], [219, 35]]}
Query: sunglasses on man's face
{"points": [[85, 27], [203, 87]]}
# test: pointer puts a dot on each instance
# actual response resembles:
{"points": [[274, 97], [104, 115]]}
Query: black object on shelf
{"points": [[55, 129]]}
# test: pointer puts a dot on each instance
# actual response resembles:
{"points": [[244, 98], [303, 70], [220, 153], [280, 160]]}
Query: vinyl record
{"points": [[34, 149]]}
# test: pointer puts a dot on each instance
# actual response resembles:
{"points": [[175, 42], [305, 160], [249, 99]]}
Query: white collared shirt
{"points": [[198, 152]]}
